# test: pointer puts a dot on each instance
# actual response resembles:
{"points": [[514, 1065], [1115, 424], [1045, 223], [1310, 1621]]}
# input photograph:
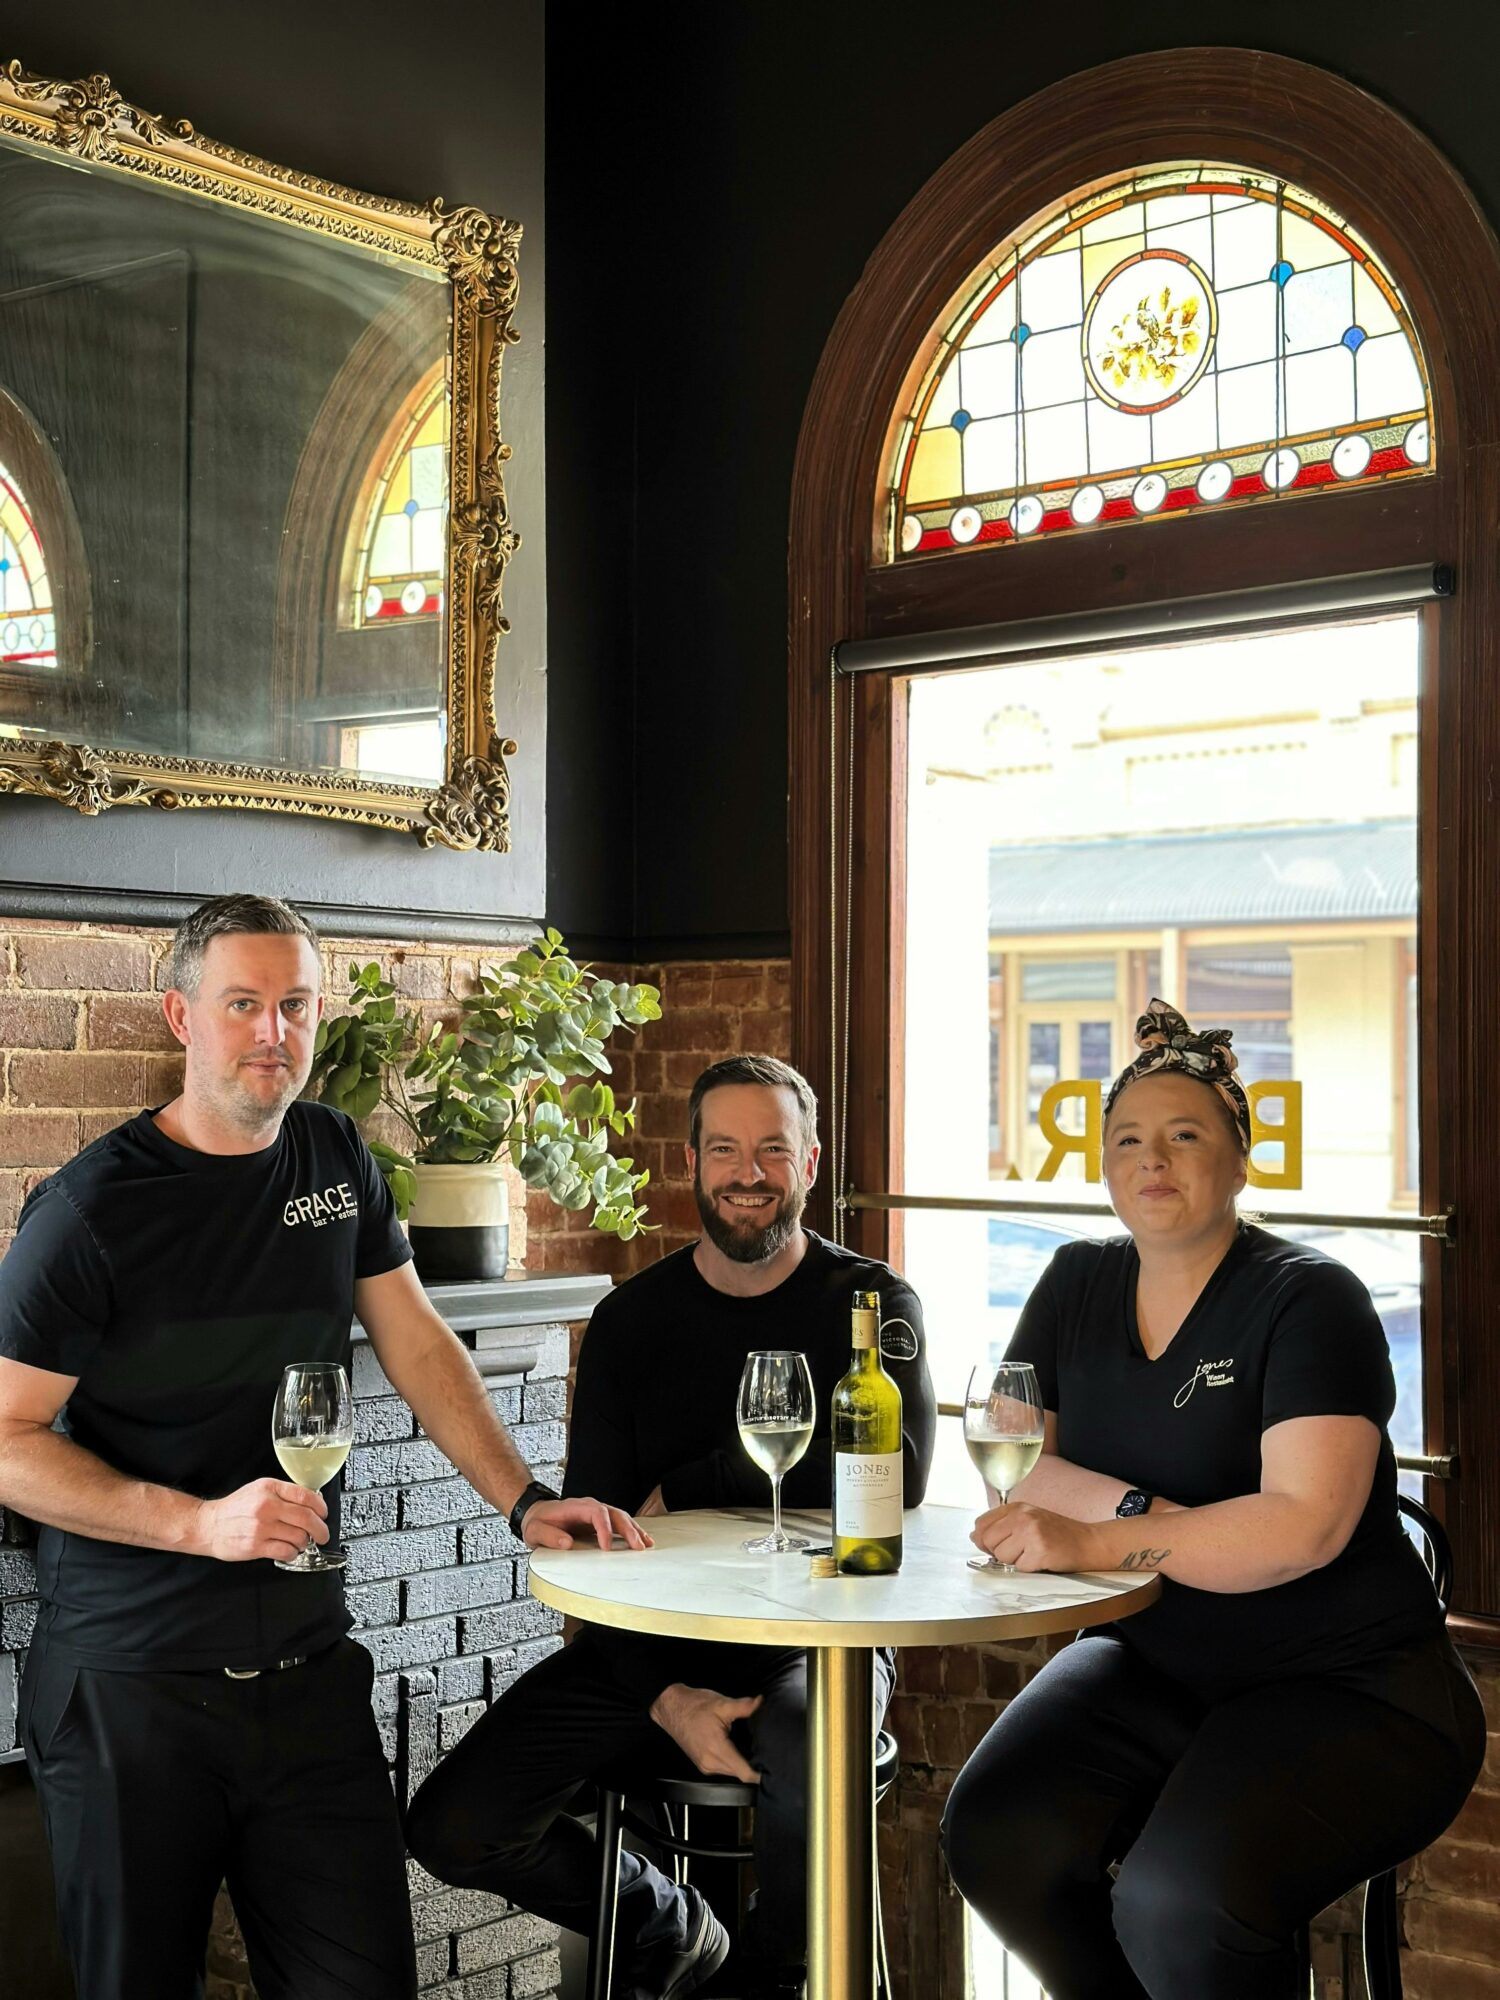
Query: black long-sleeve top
{"points": [[654, 1405]]}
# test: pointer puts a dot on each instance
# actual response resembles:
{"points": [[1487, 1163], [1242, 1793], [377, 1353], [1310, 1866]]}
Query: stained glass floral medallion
{"points": [[398, 572], [1184, 337], [28, 627]]}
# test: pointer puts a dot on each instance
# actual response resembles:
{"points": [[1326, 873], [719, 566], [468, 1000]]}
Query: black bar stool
{"points": [[1381, 1930], [621, 1792]]}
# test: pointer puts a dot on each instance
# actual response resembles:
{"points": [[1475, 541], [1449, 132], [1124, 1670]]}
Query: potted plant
{"points": [[519, 1076]]}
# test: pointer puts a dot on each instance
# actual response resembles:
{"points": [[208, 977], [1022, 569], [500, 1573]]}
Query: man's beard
{"points": [[751, 1241], [241, 1107]]}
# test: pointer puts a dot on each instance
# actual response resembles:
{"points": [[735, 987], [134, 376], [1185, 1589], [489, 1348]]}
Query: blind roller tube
{"points": [[1372, 590]]}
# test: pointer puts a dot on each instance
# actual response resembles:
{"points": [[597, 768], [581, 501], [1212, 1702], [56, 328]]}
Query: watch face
{"points": [[1135, 1502]]}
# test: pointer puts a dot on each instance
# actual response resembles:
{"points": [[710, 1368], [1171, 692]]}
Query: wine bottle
{"points": [[865, 1418]]}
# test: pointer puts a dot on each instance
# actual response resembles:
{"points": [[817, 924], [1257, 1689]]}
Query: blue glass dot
{"points": [[1355, 339], [961, 421], [410, 508], [1022, 334], [4, 564], [1281, 272]]}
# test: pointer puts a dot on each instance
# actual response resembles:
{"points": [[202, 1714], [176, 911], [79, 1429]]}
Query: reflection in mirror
{"points": [[223, 481]]}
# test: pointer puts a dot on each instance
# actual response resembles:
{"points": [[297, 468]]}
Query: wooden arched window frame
{"points": [[1283, 118]]}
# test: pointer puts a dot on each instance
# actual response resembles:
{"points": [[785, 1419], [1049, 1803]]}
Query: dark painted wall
{"points": [[717, 178], [444, 100]]}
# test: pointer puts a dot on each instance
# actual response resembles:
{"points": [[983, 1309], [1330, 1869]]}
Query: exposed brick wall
{"points": [[83, 1042], [710, 1009]]}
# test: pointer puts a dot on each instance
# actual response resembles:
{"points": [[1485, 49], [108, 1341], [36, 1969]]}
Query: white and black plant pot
{"points": [[460, 1222]]}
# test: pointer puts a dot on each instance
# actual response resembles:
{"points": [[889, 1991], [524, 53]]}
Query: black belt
{"points": [[275, 1667]]}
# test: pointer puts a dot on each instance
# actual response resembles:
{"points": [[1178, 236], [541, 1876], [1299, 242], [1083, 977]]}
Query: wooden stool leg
{"points": [[607, 1834]]}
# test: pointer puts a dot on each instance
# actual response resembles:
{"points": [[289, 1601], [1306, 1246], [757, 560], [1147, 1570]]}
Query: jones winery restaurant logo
{"points": [[334, 1204], [1266, 1133]]}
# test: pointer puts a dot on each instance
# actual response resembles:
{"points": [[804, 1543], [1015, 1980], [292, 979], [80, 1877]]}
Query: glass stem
{"points": [[776, 1507]]}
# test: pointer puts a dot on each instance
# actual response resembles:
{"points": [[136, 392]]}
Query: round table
{"points": [[700, 1584]]}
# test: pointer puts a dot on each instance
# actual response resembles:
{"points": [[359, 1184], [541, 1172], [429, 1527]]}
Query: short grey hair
{"points": [[771, 1074], [230, 916]]}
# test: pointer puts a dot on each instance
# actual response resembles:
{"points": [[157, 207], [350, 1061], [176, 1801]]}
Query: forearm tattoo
{"points": [[1144, 1558]]}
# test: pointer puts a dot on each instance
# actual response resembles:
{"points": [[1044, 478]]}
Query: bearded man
{"points": [[654, 1430]]}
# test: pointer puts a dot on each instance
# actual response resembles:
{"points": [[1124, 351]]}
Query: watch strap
{"points": [[529, 1497]]}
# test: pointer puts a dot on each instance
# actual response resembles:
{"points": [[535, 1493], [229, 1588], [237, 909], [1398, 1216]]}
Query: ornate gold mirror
{"points": [[253, 525]]}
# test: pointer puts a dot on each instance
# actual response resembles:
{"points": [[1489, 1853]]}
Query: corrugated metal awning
{"points": [[1277, 875]]}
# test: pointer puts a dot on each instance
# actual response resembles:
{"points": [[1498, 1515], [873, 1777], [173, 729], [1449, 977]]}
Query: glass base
{"points": [[992, 1563], [772, 1544], [313, 1559]]}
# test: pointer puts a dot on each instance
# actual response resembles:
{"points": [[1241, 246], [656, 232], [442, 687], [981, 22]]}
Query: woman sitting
{"points": [[1289, 1717]]}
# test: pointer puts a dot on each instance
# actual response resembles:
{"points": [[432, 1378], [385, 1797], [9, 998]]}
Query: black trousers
{"points": [[155, 1788], [494, 1813], [1238, 1822]]}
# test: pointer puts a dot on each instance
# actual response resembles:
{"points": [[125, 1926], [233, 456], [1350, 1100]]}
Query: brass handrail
{"points": [[1442, 1226], [1431, 1464]]}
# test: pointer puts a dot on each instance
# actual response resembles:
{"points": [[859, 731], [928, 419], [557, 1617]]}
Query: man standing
{"points": [[654, 1429], [191, 1713]]}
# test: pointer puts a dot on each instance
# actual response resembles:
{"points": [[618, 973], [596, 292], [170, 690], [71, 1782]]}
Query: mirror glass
{"points": [[223, 481]]}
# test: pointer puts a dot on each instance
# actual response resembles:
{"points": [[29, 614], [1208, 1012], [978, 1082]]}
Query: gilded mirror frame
{"points": [[92, 123]]}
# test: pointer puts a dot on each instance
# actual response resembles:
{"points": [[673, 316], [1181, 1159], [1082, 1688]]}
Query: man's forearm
{"points": [[446, 1394], [51, 1479]]}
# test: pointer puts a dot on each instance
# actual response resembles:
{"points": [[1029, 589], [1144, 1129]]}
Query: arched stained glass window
{"points": [[28, 627], [1183, 337], [398, 571]]}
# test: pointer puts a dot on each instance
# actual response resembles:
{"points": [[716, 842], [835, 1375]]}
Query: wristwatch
{"points": [[1134, 1502], [529, 1497]]}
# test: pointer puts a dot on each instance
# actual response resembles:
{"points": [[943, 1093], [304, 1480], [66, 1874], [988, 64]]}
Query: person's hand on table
{"points": [[651, 1506], [1032, 1538], [698, 1720], [546, 1524]]}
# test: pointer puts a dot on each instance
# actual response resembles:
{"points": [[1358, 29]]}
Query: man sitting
{"points": [[654, 1429]]}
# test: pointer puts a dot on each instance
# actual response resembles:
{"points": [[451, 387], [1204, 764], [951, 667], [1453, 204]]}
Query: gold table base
{"points": [[841, 1823]]}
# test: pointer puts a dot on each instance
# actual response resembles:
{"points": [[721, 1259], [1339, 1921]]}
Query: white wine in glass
{"points": [[1004, 1430], [312, 1428], [775, 1416]]}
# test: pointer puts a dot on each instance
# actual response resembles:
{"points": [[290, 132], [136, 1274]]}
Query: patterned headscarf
{"points": [[1167, 1042]]}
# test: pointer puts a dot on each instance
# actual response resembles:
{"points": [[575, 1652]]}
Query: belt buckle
{"points": [[242, 1673]]}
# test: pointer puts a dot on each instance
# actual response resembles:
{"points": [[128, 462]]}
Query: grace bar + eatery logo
{"points": [[334, 1204]]}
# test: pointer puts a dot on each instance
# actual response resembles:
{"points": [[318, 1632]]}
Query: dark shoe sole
{"points": [[714, 1951]]}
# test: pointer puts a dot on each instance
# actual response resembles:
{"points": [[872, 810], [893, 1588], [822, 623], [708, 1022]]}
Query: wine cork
{"points": [[822, 1566]]}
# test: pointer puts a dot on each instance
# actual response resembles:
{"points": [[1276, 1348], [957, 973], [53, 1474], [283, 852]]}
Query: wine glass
{"points": [[1004, 1429], [312, 1428], [775, 1415]]}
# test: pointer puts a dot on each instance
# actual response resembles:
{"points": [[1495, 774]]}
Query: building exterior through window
{"points": [[1229, 824]]}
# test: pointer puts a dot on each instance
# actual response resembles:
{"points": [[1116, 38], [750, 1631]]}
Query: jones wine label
{"points": [[867, 1493]]}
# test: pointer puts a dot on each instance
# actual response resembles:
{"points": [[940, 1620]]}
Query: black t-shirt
{"points": [[1279, 1331], [654, 1405], [176, 1286]]}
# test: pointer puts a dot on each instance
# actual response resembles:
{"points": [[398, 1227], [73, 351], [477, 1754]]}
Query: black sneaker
{"points": [[672, 1971]]}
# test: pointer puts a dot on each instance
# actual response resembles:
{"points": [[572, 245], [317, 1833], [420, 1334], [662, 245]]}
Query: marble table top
{"points": [[699, 1583]]}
